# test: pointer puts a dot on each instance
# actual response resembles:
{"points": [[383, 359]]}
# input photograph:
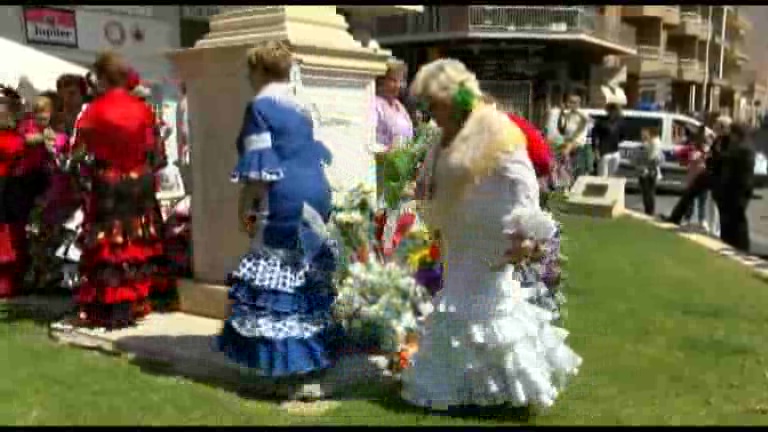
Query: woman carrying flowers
{"points": [[483, 344]]}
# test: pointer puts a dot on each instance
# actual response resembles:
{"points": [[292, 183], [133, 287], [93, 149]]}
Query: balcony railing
{"points": [[649, 51], [552, 20]]}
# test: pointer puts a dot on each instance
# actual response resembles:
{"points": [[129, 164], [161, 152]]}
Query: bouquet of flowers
{"points": [[352, 214], [378, 304], [535, 251]]}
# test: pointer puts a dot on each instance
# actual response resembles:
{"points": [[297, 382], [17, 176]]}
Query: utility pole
{"points": [[722, 52], [704, 92]]}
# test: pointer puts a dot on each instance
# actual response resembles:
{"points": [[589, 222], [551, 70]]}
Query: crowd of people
{"points": [[78, 209], [721, 165], [719, 157], [78, 183]]}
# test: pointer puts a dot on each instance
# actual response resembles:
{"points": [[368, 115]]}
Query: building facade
{"points": [[527, 57], [691, 58], [675, 57]]}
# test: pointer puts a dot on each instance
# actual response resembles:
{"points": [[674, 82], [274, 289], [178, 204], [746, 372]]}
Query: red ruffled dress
{"points": [[122, 232], [12, 223]]}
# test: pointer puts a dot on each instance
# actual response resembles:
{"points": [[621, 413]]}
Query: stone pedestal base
{"points": [[202, 299]]}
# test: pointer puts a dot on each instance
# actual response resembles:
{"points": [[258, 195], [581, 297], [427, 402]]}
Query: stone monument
{"points": [[337, 76], [597, 196]]}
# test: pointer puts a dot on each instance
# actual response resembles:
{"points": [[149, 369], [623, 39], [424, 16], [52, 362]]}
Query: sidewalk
{"points": [[757, 265]]}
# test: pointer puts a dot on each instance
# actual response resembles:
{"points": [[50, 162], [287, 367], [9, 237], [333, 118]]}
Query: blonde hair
{"points": [[395, 67], [111, 67], [42, 103], [272, 58], [440, 79]]}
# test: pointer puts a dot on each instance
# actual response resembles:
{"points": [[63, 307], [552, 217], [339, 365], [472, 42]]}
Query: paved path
{"points": [[755, 264], [757, 214]]}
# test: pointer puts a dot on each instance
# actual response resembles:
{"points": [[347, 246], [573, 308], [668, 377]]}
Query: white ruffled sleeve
{"points": [[525, 215]]}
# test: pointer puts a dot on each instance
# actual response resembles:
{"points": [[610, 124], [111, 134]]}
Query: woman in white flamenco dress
{"points": [[483, 345]]}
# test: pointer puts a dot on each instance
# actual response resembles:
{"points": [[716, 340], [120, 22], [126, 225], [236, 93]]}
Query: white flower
{"points": [[533, 223], [348, 218]]}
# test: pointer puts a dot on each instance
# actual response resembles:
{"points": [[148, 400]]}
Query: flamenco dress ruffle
{"points": [[121, 241], [12, 242], [510, 355], [280, 324]]}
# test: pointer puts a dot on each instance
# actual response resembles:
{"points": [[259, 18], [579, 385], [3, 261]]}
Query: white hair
{"points": [[724, 121], [440, 79]]}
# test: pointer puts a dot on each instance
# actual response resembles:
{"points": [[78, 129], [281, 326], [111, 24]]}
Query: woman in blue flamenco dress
{"points": [[281, 292]]}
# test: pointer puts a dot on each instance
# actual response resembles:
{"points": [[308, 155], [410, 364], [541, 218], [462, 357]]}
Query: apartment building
{"points": [[527, 57], [684, 58], [690, 58]]}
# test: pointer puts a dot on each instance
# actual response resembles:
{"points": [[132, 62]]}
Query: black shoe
{"points": [[667, 219]]}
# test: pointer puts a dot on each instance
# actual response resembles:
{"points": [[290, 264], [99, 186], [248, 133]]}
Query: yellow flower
{"points": [[416, 258]]}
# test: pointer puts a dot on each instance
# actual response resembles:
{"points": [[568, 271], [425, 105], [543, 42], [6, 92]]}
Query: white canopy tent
{"points": [[32, 71]]}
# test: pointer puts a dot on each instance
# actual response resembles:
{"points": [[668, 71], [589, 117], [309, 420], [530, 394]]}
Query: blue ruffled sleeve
{"points": [[257, 159]]}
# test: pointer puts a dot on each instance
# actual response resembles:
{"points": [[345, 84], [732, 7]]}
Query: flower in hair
{"points": [[464, 99]]}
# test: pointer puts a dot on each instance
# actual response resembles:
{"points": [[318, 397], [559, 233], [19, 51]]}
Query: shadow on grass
{"points": [[363, 381], [498, 414], [193, 357], [40, 310]]}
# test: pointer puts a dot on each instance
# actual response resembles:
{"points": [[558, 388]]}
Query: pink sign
{"points": [[50, 26]]}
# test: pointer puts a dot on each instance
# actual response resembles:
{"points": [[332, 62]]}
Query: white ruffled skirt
{"points": [[514, 357]]}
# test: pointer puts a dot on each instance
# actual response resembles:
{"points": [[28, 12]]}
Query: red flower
{"points": [[133, 79], [434, 252], [404, 225]]}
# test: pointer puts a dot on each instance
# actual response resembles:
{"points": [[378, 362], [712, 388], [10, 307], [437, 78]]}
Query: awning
{"points": [[32, 71]]}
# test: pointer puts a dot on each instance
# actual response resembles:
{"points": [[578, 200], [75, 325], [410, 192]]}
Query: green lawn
{"points": [[670, 334]]}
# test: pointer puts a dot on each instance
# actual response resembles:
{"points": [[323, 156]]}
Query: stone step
{"points": [[181, 344], [202, 299]]}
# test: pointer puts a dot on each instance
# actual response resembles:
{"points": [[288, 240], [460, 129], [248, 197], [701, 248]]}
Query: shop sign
{"points": [[50, 26]]}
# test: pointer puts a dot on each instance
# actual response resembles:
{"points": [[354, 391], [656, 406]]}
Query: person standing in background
{"points": [[572, 125], [13, 244], [695, 159], [182, 128], [71, 90], [606, 137], [733, 186], [561, 176], [648, 168], [703, 182], [393, 121]]}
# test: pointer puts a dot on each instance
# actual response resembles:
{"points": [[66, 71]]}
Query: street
{"points": [[757, 214]]}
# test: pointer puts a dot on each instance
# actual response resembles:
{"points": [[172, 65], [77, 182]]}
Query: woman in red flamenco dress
{"points": [[12, 222], [121, 236]]}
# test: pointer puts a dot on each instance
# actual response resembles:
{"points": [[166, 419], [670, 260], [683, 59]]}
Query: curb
{"points": [[757, 265]]}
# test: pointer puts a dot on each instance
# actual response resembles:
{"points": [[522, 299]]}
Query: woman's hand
{"points": [[248, 225], [521, 249]]}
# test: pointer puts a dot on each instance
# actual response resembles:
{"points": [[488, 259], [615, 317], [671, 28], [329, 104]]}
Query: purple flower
{"points": [[430, 278]]}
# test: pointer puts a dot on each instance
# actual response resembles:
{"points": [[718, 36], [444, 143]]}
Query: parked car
{"points": [[674, 129]]}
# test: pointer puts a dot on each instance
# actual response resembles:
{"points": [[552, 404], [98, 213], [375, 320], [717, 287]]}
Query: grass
{"points": [[670, 334]]}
